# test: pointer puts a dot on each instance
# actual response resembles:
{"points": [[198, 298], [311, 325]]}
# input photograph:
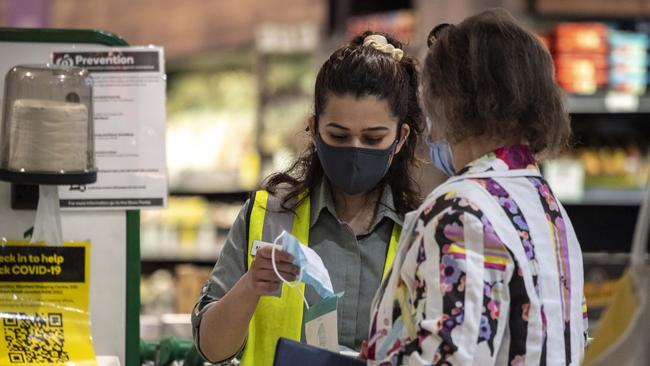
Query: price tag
{"points": [[567, 178], [621, 102]]}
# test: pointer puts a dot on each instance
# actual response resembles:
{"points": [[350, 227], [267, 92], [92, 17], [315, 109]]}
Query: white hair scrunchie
{"points": [[380, 43]]}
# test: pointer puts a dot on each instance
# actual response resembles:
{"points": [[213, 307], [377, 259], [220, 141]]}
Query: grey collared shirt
{"points": [[355, 263]]}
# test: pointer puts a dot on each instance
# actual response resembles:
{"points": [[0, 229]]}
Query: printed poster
{"points": [[44, 304], [129, 113]]}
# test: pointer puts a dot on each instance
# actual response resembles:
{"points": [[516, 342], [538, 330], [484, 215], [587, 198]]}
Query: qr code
{"points": [[34, 338]]}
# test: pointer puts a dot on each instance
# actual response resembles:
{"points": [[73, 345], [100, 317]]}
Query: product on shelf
{"points": [[211, 133], [190, 228], [580, 56], [581, 38], [629, 61], [190, 280], [591, 56], [285, 101], [608, 168], [284, 123], [615, 168], [581, 74], [157, 293], [167, 300], [400, 23], [566, 176]]}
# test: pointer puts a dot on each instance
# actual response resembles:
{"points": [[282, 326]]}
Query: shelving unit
{"points": [[608, 103], [610, 197], [612, 142], [611, 129], [150, 265], [604, 218], [215, 196], [208, 261]]}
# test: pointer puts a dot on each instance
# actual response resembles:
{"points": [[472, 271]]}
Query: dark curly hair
{"points": [[489, 77], [360, 71]]}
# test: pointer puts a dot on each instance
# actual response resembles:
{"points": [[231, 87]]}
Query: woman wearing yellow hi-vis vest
{"points": [[345, 198]]}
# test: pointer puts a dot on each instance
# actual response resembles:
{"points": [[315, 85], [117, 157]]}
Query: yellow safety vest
{"points": [[277, 317]]}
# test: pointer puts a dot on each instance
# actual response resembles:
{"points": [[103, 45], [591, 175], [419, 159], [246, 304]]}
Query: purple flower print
{"points": [[485, 331], [528, 248], [449, 271], [509, 204], [544, 189], [495, 188], [459, 318], [487, 289], [520, 222], [487, 225], [451, 322], [559, 222], [449, 325], [454, 232], [552, 204]]}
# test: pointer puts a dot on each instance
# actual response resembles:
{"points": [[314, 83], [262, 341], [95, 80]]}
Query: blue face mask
{"points": [[312, 269], [440, 153], [441, 156]]}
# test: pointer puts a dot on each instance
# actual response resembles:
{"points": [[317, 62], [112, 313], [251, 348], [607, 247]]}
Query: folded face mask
{"points": [[312, 269]]}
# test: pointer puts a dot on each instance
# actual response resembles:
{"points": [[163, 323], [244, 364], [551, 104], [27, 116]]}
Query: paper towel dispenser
{"points": [[46, 136]]}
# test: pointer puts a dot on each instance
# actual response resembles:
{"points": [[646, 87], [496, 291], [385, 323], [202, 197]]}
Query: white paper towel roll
{"points": [[48, 136]]}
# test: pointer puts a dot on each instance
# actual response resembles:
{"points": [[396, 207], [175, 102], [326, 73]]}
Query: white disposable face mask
{"points": [[440, 153], [312, 269]]}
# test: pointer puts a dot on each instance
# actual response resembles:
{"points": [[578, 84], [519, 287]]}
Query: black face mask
{"points": [[354, 170]]}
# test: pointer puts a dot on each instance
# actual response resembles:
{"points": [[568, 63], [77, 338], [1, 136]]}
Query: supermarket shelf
{"points": [[215, 196], [606, 258], [151, 264], [180, 260], [155, 327], [609, 197], [624, 10], [608, 103]]}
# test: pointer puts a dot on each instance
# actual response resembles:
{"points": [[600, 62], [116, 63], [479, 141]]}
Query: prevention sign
{"points": [[129, 114]]}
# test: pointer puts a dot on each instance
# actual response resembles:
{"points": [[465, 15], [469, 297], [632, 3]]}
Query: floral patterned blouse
{"points": [[488, 272]]}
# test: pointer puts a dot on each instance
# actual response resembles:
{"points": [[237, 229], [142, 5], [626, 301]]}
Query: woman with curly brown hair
{"points": [[345, 198], [489, 269]]}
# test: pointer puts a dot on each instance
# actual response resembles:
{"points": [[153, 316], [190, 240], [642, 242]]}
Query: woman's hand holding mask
{"points": [[261, 279]]}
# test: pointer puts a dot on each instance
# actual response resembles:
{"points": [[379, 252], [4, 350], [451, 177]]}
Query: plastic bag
{"points": [[47, 224]]}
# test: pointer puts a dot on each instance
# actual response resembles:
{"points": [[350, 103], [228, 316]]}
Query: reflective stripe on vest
{"points": [[277, 317]]}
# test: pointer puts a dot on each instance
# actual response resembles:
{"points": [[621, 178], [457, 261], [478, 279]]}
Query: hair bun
{"points": [[380, 43]]}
